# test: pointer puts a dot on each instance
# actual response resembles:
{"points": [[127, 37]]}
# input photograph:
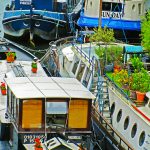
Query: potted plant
{"points": [[140, 83], [122, 79], [3, 88], [137, 64], [34, 67], [102, 36], [10, 56], [38, 145], [117, 58]]}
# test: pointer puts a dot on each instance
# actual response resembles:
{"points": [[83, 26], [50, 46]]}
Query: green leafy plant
{"points": [[145, 32], [10, 54], [34, 65], [140, 81], [137, 64], [3, 86]]}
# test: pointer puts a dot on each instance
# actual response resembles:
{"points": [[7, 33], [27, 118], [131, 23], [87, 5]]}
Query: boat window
{"points": [[80, 71], [112, 108], [91, 3], [78, 114], [134, 129], [32, 114], [75, 65], [117, 7], [14, 107], [126, 123], [142, 138], [56, 113], [139, 8], [119, 115], [9, 98], [87, 77], [106, 6], [133, 7]]}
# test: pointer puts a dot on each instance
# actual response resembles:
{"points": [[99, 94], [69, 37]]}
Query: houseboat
{"points": [[48, 20], [129, 118], [49, 108]]}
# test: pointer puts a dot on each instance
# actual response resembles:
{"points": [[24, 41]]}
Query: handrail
{"points": [[100, 118], [118, 88]]}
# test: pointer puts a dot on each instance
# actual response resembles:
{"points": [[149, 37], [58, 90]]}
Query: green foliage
{"points": [[140, 81], [145, 32], [113, 53], [34, 65], [10, 54], [102, 35], [137, 64]]}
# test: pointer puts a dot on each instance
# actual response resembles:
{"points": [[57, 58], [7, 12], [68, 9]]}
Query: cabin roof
{"points": [[48, 87]]}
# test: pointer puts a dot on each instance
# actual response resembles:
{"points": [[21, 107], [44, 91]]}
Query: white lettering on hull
{"points": [[110, 14]]}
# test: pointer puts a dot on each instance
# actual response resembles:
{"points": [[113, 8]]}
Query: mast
{"points": [[100, 13]]}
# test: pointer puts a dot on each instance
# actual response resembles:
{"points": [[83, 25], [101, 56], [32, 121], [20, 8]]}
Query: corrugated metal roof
{"points": [[48, 87]]}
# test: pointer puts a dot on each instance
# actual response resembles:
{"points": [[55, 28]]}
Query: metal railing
{"points": [[121, 143]]}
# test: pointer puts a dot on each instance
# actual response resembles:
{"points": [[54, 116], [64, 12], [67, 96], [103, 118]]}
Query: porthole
{"points": [[119, 115], [142, 138], [112, 109], [134, 129], [126, 123]]}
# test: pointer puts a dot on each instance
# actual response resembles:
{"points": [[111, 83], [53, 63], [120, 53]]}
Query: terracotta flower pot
{"points": [[140, 96], [34, 70], [3, 92], [10, 59], [37, 148], [117, 68]]}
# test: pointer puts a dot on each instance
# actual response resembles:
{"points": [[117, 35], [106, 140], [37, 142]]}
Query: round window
{"points": [[119, 115], [142, 138], [112, 108], [126, 123], [134, 129]]}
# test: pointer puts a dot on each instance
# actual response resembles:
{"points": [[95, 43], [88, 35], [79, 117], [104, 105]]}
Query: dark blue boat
{"points": [[48, 19]]}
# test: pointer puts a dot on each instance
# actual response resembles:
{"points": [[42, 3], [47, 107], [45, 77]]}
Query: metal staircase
{"points": [[99, 88]]}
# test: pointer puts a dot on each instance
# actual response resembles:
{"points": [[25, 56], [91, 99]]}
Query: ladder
{"points": [[99, 87], [18, 70]]}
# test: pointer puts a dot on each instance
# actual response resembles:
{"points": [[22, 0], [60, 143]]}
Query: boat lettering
{"points": [[108, 14], [74, 137], [25, 2], [29, 138]]}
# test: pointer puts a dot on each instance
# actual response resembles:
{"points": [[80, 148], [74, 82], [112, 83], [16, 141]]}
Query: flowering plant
{"points": [[10, 53], [3, 87], [37, 143]]}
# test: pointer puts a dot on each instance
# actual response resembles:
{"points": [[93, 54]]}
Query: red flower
{"points": [[37, 143]]}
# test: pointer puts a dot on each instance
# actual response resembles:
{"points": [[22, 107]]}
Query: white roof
{"points": [[47, 87]]}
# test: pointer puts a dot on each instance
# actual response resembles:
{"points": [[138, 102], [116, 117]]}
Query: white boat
{"points": [[127, 120]]}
